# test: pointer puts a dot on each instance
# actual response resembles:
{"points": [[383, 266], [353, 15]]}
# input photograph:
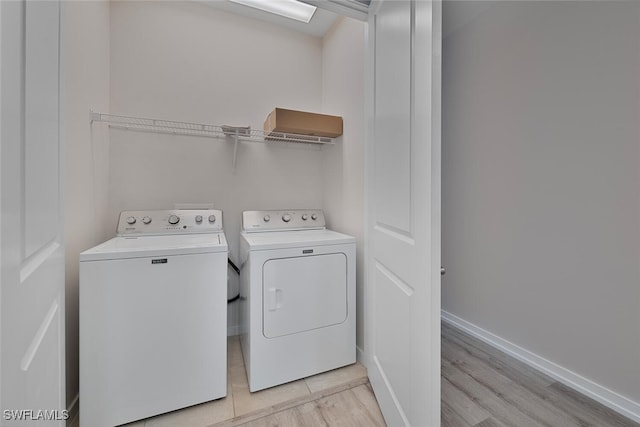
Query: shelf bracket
{"points": [[94, 117], [235, 151]]}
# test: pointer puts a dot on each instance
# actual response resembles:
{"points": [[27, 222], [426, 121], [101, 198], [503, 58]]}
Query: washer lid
{"points": [[295, 239], [148, 246]]}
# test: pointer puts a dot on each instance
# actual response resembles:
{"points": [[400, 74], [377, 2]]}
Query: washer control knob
{"points": [[174, 219], [131, 220], [212, 219], [266, 218], [198, 219], [146, 220], [314, 217], [286, 217], [305, 217]]}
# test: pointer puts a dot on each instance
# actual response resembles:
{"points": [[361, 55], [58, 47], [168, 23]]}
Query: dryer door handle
{"points": [[275, 299]]}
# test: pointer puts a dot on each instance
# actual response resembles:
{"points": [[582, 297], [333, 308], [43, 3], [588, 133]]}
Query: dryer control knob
{"points": [[305, 217], [198, 219], [174, 219], [212, 219], [266, 218], [314, 217], [286, 217], [146, 220], [131, 220]]}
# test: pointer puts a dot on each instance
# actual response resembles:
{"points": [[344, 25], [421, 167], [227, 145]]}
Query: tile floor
{"points": [[354, 407], [241, 407]]}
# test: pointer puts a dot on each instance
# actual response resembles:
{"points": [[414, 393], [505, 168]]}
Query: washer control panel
{"points": [[253, 221], [132, 223]]}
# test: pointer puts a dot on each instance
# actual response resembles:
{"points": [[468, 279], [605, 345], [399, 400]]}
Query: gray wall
{"points": [[541, 180]]}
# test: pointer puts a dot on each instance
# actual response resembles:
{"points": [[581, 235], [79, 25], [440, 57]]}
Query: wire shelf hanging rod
{"points": [[244, 133]]}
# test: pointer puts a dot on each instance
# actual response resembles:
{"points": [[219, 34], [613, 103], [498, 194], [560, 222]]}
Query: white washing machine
{"points": [[298, 296], [153, 317]]}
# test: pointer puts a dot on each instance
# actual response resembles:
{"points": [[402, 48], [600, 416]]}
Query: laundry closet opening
{"points": [[200, 63]]}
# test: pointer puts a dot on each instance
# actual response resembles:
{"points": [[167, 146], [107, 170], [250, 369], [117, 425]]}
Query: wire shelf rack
{"points": [[244, 133]]}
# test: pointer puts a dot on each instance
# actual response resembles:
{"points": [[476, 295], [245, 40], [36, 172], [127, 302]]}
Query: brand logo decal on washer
{"points": [[307, 251], [159, 261]]}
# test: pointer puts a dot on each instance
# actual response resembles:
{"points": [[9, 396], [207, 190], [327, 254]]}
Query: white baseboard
{"points": [[609, 398], [73, 410], [233, 330], [362, 357]]}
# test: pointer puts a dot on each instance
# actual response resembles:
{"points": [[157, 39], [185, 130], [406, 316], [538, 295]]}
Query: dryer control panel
{"points": [[309, 219], [192, 221]]}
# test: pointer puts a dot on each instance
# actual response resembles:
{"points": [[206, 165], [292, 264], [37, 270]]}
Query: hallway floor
{"points": [[484, 387]]}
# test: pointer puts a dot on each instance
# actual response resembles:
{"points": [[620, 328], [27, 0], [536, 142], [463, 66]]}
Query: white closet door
{"points": [[31, 234], [403, 261]]}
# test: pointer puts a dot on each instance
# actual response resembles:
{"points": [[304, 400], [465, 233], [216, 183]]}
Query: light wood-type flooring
{"points": [[481, 387], [484, 387]]}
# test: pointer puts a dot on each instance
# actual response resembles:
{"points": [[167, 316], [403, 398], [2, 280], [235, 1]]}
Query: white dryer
{"points": [[298, 296], [153, 315]]}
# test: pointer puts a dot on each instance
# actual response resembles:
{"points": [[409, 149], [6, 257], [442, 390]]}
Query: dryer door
{"points": [[303, 293]]}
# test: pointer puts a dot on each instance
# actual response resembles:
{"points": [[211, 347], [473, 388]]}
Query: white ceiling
{"points": [[320, 23], [458, 14]]}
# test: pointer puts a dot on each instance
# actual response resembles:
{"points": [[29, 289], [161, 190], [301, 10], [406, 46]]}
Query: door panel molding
{"points": [[400, 284], [33, 348], [394, 233], [37, 259]]}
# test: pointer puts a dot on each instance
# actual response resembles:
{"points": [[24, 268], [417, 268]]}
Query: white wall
{"points": [[191, 62], [541, 174], [343, 163], [85, 55]]}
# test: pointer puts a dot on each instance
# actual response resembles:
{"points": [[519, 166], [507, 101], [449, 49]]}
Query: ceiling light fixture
{"points": [[292, 9]]}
